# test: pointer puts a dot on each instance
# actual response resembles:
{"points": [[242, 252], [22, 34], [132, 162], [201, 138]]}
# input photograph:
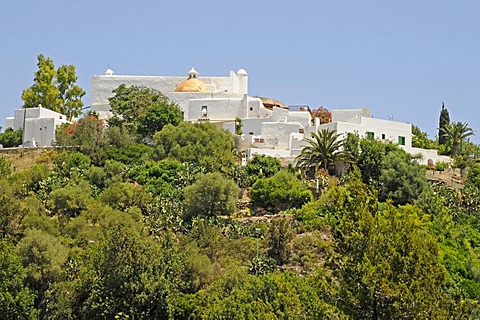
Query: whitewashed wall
{"points": [[33, 113], [226, 109], [217, 108], [296, 143], [42, 130], [271, 152], [103, 85], [428, 154], [277, 134], [40, 124], [253, 126], [345, 115], [391, 129]]}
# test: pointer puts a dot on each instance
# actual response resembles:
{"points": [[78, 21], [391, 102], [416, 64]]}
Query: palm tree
{"points": [[323, 149], [455, 134]]}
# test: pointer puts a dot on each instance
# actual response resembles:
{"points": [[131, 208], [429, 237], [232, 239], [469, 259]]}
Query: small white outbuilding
{"points": [[39, 124]]}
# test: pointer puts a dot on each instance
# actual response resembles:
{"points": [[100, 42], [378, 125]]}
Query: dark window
{"points": [[401, 140], [370, 135], [383, 136], [204, 111]]}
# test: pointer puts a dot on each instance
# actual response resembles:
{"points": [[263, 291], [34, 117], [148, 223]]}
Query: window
{"points": [[251, 108], [401, 140], [301, 130], [204, 111], [370, 135], [383, 136]]}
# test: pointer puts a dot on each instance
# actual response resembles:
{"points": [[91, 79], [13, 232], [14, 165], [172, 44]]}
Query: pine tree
{"points": [[443, 123]]}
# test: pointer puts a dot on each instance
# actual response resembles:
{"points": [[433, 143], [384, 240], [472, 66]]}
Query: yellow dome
{"points": [[192, 85]]}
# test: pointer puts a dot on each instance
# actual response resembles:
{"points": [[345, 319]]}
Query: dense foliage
{"points": [[142, 111], [261, 166], [211, 195], [420, 139], [402, 179], [11, 138], [108, 227], [280, 192], [201, 143], [16, 299]]}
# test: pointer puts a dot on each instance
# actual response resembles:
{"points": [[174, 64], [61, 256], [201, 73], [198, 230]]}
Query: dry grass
{"points": [[22, 159]]}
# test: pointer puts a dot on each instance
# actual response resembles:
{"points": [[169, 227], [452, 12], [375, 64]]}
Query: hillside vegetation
{"points": [[118, 229]]}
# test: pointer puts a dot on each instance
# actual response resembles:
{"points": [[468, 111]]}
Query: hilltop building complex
{"points": [[268, 126]]}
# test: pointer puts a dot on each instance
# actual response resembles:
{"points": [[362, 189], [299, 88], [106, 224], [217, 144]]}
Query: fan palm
{"points": [[323, 150], [455, 134]]}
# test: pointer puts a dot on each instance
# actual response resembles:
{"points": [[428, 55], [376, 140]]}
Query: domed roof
{"points": [[192, 85], [242, 72]]}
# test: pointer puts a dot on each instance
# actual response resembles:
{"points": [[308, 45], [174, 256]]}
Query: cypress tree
{"points": [[443, 123]]}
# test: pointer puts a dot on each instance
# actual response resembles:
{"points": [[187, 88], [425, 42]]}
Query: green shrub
{"points": [[441, 166], [261, 166], [281, 192], [210, 195], [5, 167], [11, 138]]}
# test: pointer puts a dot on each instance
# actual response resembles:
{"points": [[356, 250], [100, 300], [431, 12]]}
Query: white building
{"points": [[224, 97], [297, 125], [39, 124], [360, 121]]}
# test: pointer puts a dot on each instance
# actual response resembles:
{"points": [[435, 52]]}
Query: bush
{"points": [[473, 177], [281, 192], [402, 180], [262, 265], [199, 143], [72, 164], [123, 196], [311, 215], [210, 195], [70, 200], [11, 138], [5, 167], [279, 238], [261, 166], [130, 155], [441, 166]]}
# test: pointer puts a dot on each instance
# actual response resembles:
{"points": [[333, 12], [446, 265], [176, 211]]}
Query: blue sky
{"points": [[401, 59]]}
